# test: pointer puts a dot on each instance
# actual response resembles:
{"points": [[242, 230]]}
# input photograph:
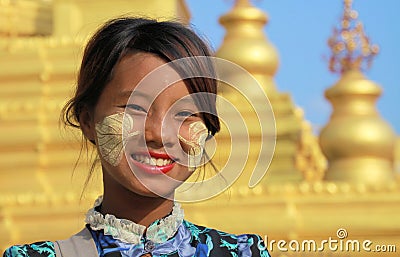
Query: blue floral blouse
{"points": [[189, 240]]}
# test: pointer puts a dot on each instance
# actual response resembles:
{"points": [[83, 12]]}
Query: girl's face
{"points": [[148, 133]]}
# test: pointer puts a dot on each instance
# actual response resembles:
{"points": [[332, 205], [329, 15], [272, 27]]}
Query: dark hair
{"points": [[119, 37]]}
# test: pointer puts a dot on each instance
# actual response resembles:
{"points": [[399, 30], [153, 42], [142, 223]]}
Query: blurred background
{"points": [[337, 156], [300, 31]]}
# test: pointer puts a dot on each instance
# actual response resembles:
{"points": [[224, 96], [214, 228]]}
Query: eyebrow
{"points": [[188, 100], [128, 94]]}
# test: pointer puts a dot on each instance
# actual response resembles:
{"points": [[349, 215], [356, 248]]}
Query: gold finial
{"points": [[351, 48], [242, 3]]}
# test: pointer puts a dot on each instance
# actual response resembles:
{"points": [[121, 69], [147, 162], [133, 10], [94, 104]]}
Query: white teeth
{"points": [[160, 162], [151, 160]]}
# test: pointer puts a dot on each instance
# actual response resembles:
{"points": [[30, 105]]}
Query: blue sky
{"points": [[299, 30]]}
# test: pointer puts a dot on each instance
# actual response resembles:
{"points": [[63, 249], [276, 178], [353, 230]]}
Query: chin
{"points": [[157, 181], [152, 188], [148, 184]]}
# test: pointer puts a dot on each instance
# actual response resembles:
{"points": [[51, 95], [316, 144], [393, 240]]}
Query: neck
{"points": [[125, 204]]}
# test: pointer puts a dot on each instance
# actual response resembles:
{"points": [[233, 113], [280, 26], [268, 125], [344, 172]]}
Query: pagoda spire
{"points": [[357, 142], [351, 48], [246, 44]]}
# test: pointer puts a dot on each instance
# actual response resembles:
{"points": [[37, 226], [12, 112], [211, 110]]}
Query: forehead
{"points": [[133, 68], [147, 74]]}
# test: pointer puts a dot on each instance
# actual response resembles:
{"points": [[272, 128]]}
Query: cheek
{"points": [[194, 134], [110, 138], [183, 136], [193, 138]]}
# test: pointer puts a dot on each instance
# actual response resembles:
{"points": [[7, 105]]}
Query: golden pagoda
{"points": [[246, 45], [304, 197]]}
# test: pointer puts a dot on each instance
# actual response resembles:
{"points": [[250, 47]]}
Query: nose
{"points": [[158, 131]]}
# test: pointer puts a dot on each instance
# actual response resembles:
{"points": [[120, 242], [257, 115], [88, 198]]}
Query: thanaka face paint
{"points": [[198, 133], [110, 139]]}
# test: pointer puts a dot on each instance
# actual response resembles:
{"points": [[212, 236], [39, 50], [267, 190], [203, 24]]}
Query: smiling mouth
{"points": [[153, 163], [144, 159]]}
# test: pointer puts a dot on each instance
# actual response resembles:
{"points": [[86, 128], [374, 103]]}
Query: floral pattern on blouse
{"points": [[39, 249], [190, 240]]}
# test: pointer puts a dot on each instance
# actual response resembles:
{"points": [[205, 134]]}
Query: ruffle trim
{"points": [[130, 232]]}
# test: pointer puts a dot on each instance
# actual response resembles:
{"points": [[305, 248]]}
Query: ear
{"points": [[87, 125]]}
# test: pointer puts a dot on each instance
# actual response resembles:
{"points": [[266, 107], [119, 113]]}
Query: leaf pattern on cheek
{"points": [[198, 133], [110, 139]]}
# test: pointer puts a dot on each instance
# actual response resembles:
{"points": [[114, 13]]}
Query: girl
{"points": [[149, 122]]}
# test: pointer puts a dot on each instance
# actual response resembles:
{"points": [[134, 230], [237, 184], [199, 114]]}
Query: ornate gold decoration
{"points": [[357, 142], [351, 49], [309, 159]]}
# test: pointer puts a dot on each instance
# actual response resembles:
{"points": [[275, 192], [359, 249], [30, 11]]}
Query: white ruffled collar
{"points": [[129, 232]]}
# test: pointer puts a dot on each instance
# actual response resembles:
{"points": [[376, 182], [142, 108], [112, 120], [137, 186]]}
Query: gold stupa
{"points": [[359, 144], [304, 195]]}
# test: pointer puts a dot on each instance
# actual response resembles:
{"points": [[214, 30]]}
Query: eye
{"points": [[135, 107], [186, 114]]}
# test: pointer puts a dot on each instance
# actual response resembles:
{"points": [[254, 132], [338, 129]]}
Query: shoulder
{"points": [[38, 249], [212, 242]]}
